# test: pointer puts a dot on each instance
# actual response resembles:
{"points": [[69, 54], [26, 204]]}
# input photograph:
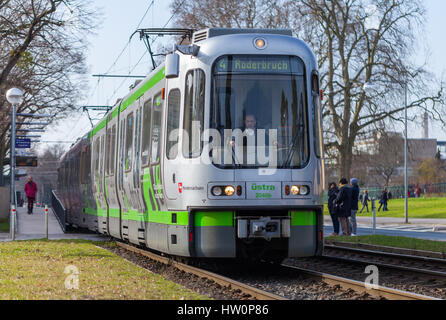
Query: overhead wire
{"points": [[145, 52]]}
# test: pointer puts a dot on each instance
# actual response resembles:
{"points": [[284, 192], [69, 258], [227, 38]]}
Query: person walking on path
{"points": [[383, 200], [332, 194], [30, 191], [343, 202], [365, 201], [355, 200]]}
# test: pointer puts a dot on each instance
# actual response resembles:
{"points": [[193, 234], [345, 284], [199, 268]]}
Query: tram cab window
{"points": [[156, 128], [173, 123], [147, 116], [128, 143], [263, 100], [193, 113]]}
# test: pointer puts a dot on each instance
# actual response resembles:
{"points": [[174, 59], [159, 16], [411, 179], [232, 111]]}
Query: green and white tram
{"points": [[217, 153]]}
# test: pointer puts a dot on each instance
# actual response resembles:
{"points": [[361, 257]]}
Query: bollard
{"points": [[13, 215], [374, 216], [46, 221]]}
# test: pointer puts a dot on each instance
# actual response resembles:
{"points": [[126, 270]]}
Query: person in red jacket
{"points": [[30, 190]]}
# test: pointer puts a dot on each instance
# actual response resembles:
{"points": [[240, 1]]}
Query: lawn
{"points": [[4, 225], [418, 208], [397, 242], [46, 269]]}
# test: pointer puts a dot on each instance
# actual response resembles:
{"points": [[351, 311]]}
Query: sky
{"points": [[111, 52]]}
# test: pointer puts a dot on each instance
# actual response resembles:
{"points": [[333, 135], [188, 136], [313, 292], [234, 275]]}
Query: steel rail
{"points": [[387, 265], [378, 291], [387, 254], [221, 280]]}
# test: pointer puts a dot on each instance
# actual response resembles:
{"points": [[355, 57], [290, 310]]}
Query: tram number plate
{"points": [[264, 190]]}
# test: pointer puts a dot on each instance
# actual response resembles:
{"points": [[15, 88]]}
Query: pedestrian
{"points": [[418, 192], [365, 201], [383, 200], [30, 191], [355, 200], [344, 203], [386, 200], [332, 208]]}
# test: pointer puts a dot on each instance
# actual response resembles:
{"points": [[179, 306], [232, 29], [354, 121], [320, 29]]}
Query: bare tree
{"points": [[200, 14], [42, 51], [357, 44]]}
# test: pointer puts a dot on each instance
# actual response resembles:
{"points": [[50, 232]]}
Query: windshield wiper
{"points": [[290, 155]]}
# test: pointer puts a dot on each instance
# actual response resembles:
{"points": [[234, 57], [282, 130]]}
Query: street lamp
{"points": [[15, 97], [371, 86]]}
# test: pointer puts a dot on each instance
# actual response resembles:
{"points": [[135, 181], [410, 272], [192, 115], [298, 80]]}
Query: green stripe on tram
{"points": [[303, 218], [214, 219], [157, 77]]}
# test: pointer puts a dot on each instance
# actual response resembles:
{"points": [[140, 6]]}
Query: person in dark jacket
{"points": [[355, 200], [365, 200], [383, 200], [344, 203], [332, 194]]}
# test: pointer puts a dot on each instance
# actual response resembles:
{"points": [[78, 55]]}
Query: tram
{"points": [[217, 153]]}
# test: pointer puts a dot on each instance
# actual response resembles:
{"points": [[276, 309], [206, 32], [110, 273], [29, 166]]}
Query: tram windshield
{"points": [[260, 111]]}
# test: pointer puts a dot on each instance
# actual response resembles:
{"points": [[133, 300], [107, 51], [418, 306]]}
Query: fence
{"points": [[59, 210], [398, 191]]}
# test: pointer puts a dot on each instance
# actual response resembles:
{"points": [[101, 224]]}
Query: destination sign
{"points": [[259, 64]]}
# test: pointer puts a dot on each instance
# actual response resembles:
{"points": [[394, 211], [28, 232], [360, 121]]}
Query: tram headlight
{"points": [[229, 191], [295, 190], [304, 190], [217, 191]]}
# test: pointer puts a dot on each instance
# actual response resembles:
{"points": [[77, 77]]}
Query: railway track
{"points": [[379, 291], [329, 284], [221, 280], [402, 262]]}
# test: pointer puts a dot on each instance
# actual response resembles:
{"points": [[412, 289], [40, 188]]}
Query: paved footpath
{"points": [[32, 226], [429, 229]]}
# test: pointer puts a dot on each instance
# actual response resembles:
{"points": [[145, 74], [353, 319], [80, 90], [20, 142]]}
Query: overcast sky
{"points": [[121, 19]]}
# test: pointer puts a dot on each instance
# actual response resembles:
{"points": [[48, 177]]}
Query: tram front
{"points": [[260, 149]]}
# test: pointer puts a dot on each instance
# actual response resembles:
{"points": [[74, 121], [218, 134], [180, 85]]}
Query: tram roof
{"points": [[215, 32]]}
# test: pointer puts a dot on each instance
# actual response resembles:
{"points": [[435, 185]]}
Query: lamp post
{"points": [[15, 97], [367, 87]]}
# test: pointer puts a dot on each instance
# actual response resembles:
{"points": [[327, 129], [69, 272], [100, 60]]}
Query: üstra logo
{"points": [[263, 187]]}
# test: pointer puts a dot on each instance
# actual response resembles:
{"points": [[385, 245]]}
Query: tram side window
{"points": [[156, 128], [107, 151], [128, 143], [317, 128], [88, 164], [112, 148], [96, 157], [173, 123], [146, 132], [193, 113]]}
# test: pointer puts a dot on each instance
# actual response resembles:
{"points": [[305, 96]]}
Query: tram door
{"points": [[171, 166], [113, 217]]}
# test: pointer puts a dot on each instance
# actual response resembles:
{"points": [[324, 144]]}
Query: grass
{"points": [[35, 270], [421, 208], [398, 242], [4, 225]]}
